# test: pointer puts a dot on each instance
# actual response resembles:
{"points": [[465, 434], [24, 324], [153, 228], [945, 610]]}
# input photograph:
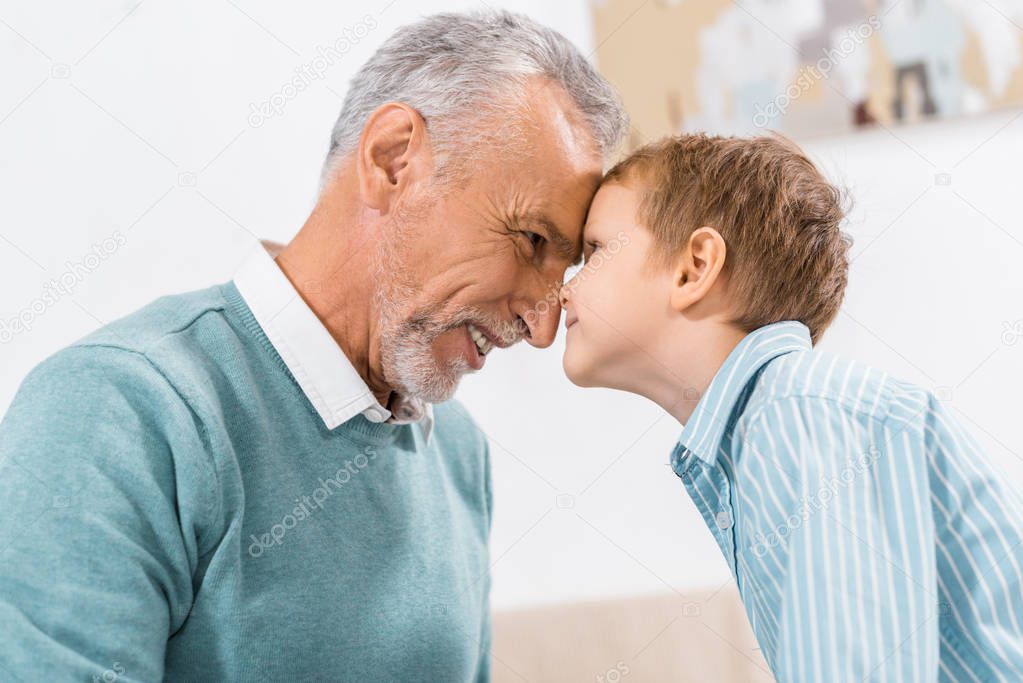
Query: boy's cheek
{"points": [[584, 344], [588, 339]]}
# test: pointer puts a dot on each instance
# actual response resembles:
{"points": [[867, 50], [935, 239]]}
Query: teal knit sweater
{"points": [[173, 506]]}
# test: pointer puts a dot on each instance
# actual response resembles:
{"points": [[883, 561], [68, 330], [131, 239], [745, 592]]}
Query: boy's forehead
{"points": [[614, 202]]}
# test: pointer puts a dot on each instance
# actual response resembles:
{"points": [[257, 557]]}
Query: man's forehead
{"points": [[553, 168], [553, 127], [551, 184]]}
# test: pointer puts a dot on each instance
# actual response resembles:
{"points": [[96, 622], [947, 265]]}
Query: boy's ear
{"points": [[392, 155], [698, 269]]}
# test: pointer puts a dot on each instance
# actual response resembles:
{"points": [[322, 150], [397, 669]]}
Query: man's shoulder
{"points": [[95, 402], [127, 357], [821, 380], [164, 317]]}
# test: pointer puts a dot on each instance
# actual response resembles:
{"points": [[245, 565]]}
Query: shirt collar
{"points": [[706, 427], [323, 372]]}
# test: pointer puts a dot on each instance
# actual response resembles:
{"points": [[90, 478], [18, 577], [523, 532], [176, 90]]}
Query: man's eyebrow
{"points": [[562, 245]]}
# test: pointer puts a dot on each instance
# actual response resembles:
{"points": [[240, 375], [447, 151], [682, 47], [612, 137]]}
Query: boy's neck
{"points": [[683, 372]]}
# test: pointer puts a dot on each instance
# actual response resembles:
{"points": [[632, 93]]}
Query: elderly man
{"points": [[267, 479]]}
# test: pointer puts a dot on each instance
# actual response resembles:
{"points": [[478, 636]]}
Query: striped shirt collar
{"points": [[321, 368], [706, 427]]}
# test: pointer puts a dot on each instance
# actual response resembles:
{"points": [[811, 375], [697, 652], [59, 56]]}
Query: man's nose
{"points": [[540, 320]]}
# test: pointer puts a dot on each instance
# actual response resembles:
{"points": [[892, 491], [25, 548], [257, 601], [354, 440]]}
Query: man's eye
{"points": [[534, 239]]}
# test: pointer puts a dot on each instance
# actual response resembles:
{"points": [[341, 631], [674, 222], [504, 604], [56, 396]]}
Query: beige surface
{"points": [[669, 59], [703, 637]]}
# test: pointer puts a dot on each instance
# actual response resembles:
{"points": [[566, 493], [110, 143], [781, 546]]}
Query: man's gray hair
{"points": [[455, 69]]}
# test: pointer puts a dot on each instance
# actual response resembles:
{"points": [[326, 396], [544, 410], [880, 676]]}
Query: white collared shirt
{"points": [[325, 374]]}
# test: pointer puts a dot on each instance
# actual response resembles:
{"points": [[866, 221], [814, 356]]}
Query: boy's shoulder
{"points": [[813, 379]]}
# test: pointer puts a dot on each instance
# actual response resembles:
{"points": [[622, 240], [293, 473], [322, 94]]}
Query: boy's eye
{"points": [[588, 248]]}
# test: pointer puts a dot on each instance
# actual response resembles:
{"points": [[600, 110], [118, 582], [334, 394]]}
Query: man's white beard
{"points": [[409, 364], [411, 367]]}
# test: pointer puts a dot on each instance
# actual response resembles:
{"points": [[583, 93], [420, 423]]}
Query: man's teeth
{"points": [[482, 343]]}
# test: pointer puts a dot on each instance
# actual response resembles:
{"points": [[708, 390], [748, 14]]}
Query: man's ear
{"points": [[698, 269], [393, 154]]}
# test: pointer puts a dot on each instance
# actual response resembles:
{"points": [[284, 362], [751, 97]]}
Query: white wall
{"points": [[142, 127]]}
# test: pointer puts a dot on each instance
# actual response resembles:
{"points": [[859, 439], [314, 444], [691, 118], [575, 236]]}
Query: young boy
{"points": [[869, 536]]}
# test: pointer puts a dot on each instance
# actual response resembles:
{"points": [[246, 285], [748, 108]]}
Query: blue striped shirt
{"points": [[869, 535]]}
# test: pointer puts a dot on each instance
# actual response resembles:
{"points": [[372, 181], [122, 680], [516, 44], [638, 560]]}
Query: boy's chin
{"points": [[578, 373]]}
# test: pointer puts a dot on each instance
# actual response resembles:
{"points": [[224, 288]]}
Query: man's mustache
{"points": [[504, 331]]}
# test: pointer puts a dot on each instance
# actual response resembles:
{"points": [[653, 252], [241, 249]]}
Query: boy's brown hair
{"points": [[786, 257]]}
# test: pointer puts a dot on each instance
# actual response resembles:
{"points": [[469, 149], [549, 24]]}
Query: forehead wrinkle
{"points": [[521, 204]]}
